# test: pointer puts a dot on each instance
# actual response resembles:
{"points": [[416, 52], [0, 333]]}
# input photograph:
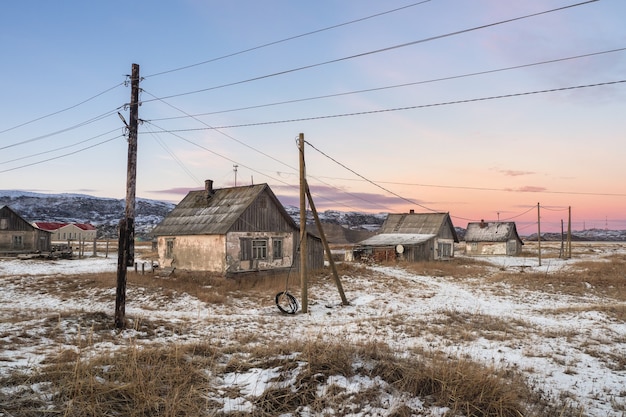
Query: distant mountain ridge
{"points": [[105, 213]]}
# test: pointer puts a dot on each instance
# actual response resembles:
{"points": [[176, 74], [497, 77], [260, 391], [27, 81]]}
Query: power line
{"points": [[453, 77], [246, 166], [389, 48], [287, 39], [58, 149], [67, 129], [422, 106], [62, 156], [508, 190], [250, 146], [243, 143], [62, 110], [222, 133], [521, 214], [174, 157], [366, 179]]}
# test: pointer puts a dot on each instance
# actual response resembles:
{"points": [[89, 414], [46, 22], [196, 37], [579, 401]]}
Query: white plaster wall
{"points": [[195, 253]]}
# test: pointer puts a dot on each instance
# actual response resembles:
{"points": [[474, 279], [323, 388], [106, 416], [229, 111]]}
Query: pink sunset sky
{"points": [[481, 109]]}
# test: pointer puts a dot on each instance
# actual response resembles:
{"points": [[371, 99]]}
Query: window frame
{"points": [[259, 248], [169, 248], [277, 248]]}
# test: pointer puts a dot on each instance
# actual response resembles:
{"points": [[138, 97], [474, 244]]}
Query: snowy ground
{"points": [[565, 346]]}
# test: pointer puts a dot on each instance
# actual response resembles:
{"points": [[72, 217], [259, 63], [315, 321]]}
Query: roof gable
{"points": [[8, 212], [214, 211], [418, 223]]}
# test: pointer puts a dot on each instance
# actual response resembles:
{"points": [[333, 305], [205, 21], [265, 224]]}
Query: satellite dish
{"points": [[399, 248]]}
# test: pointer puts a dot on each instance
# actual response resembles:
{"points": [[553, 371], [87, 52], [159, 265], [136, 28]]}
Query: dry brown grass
{"points": [[186, 380], [455, 267], [604, 278]]}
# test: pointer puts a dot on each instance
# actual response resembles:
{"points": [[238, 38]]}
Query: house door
{"points": [[511, 247]]}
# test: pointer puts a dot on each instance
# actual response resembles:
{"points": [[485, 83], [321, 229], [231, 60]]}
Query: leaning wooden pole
{"points": [[318, 223], [303, 246]]}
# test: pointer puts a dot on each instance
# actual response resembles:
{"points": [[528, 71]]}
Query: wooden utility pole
{"points": [[318, 223], [569, 232], [126, 243], [539, 234], [562, 251], [303, 246]]}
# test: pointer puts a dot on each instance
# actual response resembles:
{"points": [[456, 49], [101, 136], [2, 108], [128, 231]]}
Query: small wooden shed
{"points": [[232, 230], [492, 238], [17, 236], [412, 237]]}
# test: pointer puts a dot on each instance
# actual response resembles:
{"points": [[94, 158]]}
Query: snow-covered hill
{"points": [[104, 213]]}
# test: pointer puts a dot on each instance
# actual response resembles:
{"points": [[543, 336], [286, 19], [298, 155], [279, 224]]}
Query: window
{"points": [[169, 248], [277, 251], [445, 250], [246, 249], [259, 249], [18, 242], [253, 249], [4, 223]]}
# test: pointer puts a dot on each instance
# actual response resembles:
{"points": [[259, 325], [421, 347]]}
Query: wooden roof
{"points": [[25, 225], [418, 224], [201, 214], [491, 232]]}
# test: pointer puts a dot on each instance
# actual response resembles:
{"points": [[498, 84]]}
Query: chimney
{"points": [[208, 188], [411, 211], [482, 224]]}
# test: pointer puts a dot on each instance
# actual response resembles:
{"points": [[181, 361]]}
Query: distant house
{"points": [[81, 232], [17, 236], [232, 230], [412, 237], [492, 238]]}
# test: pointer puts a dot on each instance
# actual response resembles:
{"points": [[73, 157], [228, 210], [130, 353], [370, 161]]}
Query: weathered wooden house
{"points": [[492, 238], [63, 232], [232, 230], [17, 236], [412, 237]]}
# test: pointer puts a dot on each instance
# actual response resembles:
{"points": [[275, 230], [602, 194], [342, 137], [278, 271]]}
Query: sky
{"points": [[483, 109]]}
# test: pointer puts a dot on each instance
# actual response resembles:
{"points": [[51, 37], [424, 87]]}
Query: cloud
{"points": [[513, 173], [531, 189], [327, 198], [176, 190]]}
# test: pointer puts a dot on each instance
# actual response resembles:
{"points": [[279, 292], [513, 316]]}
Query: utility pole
{"points": [[126, 243], [562, 251], [569, 232], [303, 246], [539, 234], [235, 169]]}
